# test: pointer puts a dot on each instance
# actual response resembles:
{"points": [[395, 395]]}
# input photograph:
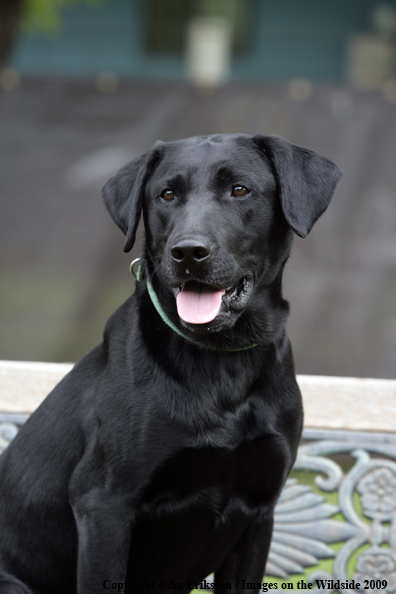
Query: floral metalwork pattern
{"points": [[9, 427], [304, 521], [366, 502]]}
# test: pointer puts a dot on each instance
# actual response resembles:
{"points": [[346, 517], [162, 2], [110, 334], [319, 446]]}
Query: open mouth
{"points": [[199, 303]]}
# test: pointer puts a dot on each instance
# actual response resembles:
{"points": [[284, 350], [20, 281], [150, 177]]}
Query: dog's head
{"points": [[219, 214]]}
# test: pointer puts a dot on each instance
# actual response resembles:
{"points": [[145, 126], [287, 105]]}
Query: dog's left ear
{"points": [[306, 181], [123, 193]]}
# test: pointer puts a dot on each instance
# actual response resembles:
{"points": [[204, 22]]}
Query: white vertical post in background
{"points": [[208, 51]]}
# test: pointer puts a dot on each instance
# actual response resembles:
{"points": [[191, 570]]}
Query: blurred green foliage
{"points": [[46, 15]]}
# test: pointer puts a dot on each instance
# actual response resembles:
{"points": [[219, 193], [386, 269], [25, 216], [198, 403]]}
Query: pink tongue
{"points": [[198, 303]]}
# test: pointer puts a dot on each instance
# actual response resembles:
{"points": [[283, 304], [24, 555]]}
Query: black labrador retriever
{"points": [[159, 458]]}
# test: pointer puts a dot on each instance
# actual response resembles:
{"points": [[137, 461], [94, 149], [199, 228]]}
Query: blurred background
{"points": [[86, 86]]}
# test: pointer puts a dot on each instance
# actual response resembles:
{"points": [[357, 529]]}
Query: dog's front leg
{"points": [[104, 525], [246, 560]]}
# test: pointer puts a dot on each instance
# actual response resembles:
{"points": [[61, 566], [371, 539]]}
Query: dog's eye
{"points": [[168, 195], [239, 191]]}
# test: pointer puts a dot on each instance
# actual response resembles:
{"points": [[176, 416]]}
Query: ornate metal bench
{"points": [[335, 522]]}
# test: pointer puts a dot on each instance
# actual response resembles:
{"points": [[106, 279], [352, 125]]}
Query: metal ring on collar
{"points": [[135, 272]]}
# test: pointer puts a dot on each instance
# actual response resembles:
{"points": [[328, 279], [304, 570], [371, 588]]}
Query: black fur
{"points": [[161, 457], [10, 585]]}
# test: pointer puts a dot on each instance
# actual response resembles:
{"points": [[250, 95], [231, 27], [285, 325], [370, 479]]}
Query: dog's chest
{"points": [[200, 502], [251, 472]]}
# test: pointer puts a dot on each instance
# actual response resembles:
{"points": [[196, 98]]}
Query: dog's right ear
{"points": [[123, 193]]}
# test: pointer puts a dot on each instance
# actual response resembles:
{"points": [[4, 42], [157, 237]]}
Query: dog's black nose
{"points": [[190, 251]]}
